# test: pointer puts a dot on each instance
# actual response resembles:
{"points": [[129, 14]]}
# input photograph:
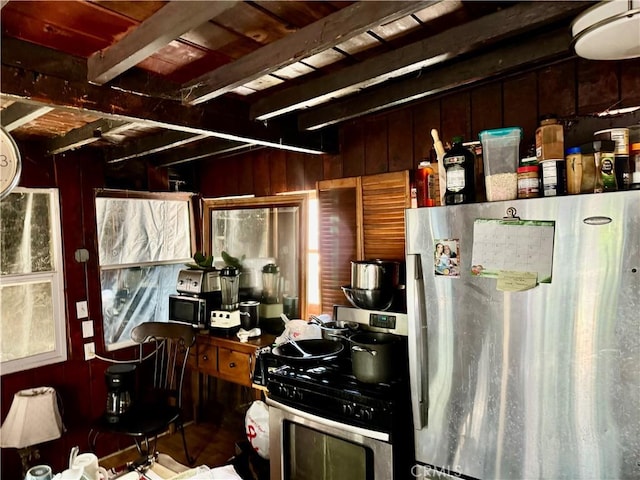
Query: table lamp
{"points": [[33, 419]]}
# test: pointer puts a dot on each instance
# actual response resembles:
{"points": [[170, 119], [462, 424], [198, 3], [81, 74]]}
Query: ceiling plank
{"points": [[208, 119], [478, 33], [500, 61], [312, 39], [85, 135], [151, 144], [18, 114], [164, 26]]}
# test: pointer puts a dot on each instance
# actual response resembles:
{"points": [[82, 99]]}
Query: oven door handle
{"points": [[385, 437]]}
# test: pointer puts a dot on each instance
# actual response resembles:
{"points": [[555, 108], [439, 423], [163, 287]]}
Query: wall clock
{"points": [[10, 163]]}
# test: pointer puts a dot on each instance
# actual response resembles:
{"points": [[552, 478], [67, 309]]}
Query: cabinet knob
{"points": [[232, 365], [205, 358]]}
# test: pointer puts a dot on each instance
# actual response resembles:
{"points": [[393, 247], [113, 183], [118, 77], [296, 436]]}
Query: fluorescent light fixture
{"points": [[609, 30]]}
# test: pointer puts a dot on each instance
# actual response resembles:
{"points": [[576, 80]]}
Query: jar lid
{"points": [[635, 146], [527, 169], [572, 150]]}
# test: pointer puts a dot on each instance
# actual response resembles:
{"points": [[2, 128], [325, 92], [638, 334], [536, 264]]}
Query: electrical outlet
{"points": [[82, 310], [89, 350], [87, 329]]}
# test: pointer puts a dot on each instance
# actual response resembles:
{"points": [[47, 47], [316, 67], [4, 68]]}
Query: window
{"points": [[259, 231], [143, 242], [32, 319]]}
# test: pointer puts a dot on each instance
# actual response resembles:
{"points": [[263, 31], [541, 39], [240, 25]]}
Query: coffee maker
{"points": [[120, 379]]}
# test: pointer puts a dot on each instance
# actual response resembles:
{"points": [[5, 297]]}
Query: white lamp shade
{"points": [[608, 31], [33, 418]]}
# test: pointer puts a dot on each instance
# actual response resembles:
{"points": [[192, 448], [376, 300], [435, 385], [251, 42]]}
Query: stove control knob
{"points": [[298, 395], [348, 409], [367, 414]]}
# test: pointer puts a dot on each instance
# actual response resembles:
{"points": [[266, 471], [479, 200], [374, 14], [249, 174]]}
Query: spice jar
{"points": [[425, 184], [528, 182], [574, 170], [549, 139], [635, 165]]}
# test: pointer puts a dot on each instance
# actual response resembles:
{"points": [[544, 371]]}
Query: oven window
{"points": [[313, 455]]}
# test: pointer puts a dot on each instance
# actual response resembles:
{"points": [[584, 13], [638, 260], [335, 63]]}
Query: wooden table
{"points": [[224, 357]]}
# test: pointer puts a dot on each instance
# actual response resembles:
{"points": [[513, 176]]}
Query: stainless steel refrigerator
{"points": [[524, 338]]}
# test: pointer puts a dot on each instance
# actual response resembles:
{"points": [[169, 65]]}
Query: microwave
{"points": [[194, 310]]}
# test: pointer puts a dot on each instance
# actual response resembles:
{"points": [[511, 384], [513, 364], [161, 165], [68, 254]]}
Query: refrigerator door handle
{"points": [[418, 367]]}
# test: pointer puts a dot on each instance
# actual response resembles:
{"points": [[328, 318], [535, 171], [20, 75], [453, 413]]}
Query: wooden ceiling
{"points": [[179, 81]]}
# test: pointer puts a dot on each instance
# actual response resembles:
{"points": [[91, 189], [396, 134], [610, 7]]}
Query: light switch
{"points": [[82, 310], [87, 329]]}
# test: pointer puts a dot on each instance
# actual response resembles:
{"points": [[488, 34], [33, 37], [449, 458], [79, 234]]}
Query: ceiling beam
{"points": [[314, 38], [18, 114], [500, 61], [199, 151], [478, 33], [151, 144], [157, 31], [85, 135], [208, 119]]}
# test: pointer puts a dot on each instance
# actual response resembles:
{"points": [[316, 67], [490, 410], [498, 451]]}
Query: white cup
{"points": [[39, 472], [89, 463]]}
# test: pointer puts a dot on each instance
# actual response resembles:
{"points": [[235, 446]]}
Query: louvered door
{"points": [[360, 218], [384, 199], [338, 242]]}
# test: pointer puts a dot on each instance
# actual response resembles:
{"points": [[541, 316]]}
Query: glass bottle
{"points": [[459, 164]]}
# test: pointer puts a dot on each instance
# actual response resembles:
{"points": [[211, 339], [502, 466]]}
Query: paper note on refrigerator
{"points": [[513, 245]]}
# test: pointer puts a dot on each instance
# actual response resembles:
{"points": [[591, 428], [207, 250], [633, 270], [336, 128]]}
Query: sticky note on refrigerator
{"points": [[510, 281]]}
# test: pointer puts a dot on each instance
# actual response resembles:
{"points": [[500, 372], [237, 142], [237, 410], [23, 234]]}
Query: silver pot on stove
{"points": [[372, 356]]}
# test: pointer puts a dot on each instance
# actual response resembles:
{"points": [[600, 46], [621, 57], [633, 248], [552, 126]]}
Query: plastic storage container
{"points": [[501, 153]]}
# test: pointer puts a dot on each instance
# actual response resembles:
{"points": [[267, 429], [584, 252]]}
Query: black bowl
{"points": [[369, 298]]}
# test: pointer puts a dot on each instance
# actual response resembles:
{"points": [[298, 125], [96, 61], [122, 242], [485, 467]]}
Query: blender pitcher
{"points": [[270, 283], [229, 286]]}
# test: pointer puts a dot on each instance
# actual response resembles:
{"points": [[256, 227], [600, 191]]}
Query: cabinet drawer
{"points": [[234, 365], [208, 359]]}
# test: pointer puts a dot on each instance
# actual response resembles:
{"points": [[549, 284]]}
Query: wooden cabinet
{"points": [[226, 358]]}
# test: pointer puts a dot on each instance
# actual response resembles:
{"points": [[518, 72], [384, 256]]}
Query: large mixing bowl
{"points": [[369, 298]]}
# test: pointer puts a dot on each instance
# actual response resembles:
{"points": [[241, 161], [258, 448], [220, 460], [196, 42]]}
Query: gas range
{"points": [[329, 389]]}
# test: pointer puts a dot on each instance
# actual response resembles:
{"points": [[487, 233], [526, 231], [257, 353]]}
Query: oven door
{"points": [[303, 446]]}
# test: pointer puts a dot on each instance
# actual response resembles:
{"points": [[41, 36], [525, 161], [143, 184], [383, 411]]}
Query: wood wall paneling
{"points": [[630, 83], [313, 170], [598, 87], [261, 173], [400, 140], [486, 108], [557, 89], [376, 146], [331, 167], [278, 171], [456, 116], [246, 175], [520, 106], [295, 171], [426, 116], [352, 149]]}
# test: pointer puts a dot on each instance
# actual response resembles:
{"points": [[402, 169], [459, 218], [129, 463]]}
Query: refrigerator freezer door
{"points": [[542, 383]]}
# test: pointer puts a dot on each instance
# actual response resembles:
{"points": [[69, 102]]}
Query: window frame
{"points": [[60, 352], [141, 195]]}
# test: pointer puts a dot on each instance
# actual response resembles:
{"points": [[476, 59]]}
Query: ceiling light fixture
{"points": [[609, 30]]}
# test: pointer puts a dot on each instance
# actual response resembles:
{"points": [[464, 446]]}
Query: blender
{"points": [[227, 319], [270, 303]]}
